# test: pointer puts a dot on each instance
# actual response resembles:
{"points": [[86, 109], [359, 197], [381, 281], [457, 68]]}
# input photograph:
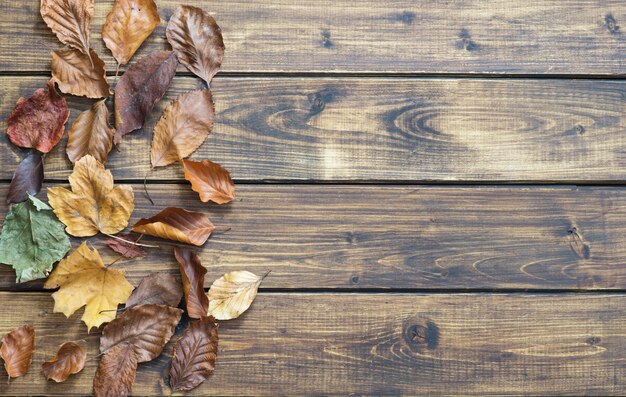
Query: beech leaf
{"points": [[70, 20], [70, 359], [192, 273], [39, 121], [83, 280], [183, 127], [197, 40], [32, 240], [127, 250], [116, 372], [232, 294], [80, 74], [194, 355], [94, 204], [177, 224], [27, 178], [210, 180], [17, 350], [157, 289], [91, 134]]}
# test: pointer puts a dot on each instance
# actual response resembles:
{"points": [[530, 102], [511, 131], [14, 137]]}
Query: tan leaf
{"points": [[157, 289], [177, 224], [192, 273], [116, 372], [128, 24], [232, 294], [77, 74], [210, 180], [183, 127], [93, 204], [91, 134], [83, 280], [17, 350], [70, 359], [70, 20]]}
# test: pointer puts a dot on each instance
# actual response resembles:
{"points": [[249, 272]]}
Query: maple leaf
{"points": [[232, 294], [157, 289], [177, 224], [69, 360], [27, 178], [83, 280], [126, 249], [91, 134], [80, 74], [93, 204], [70, 20], [17, 350], [32, 240], [116, 372], [192, 273], [210, 180]]}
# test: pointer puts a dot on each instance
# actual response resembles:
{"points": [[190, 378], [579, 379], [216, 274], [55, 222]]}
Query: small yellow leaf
{"points": [[232, 294]]}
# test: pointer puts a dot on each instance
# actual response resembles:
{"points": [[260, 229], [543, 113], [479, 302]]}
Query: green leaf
{"points": [[32, 240]]}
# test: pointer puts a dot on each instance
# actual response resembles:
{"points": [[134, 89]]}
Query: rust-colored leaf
{"points": [[78, 74], [70, 359], [27, 178], [91, 134], [194, 355], [177, 224], [127, 250], [197, 40], [210, 180], [233, 293], [146, 327], [127, 25], [17, 350], [140, 88], [39, 121], [70, 20], [157, 289], [192, 273], [116, 372]]}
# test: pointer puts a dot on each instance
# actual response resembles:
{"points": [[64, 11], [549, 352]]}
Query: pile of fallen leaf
{"points": [[34, 235]]}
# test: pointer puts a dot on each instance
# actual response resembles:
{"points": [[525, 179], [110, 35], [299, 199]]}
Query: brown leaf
{"points": [[27, 178], [127, 25], [157, 289], [232, 294], [140, 88], [183, 127], [210, 180], [146, 327], [70, 20], [39, 121], [127, 250], [70, 359], [91, 134], [17, 350], [177, 224], [194, 355], [116, 372], [77, 74], [192, 273], [197, 40]]}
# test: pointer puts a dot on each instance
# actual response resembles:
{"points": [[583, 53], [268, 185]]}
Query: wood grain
{"points": [[458, 36]]}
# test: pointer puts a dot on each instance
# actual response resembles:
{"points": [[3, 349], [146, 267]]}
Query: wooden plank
{"points": [[459, 36], [345, 129], [399, 237]]}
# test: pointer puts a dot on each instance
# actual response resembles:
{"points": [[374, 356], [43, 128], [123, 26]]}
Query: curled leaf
{"points": [[27, 178], [192, 273], [70, 20], [70, 359], [17, 350], [157, 289], [127, 250], [91, 134], [116, 372], [232, 294], [210, 180], [177, 224], [80, 74]]}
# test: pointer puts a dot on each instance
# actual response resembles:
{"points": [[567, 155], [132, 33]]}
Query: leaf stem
{"points": [[145, 185], [131, 242]]}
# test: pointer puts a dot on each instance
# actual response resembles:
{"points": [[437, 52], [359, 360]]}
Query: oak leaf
{"points": [[157, 289], [79, 74], [127, 250], [177, 224], [70, 359], [94, 204], [194, 354], [183, 127], [17, 350], [39, 121], [91, 134], [83, 280], [70, 20], [192, 273], [27, 178], [116, 372], [232, 294], [210, 180]]}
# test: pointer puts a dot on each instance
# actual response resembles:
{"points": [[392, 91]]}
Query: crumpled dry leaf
{"points": [[27, 178], [17, 350], [157, 289], [210, 180], [146, 327], [80, 74], [140, 88], [197, 40], [192, 273], [70, 20], [39, 121], [194, 355], [127, 25], [232, 294], [70, 359], [91, 134], [126, 249], [177, 224], [94, 204], [116, 372], [183, 127], [83, 280]]}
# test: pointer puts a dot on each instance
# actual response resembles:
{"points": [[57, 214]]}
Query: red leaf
{"points": [[193, 274], [27, 178], [126, 249]]}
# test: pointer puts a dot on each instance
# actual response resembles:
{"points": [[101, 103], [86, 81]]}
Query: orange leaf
{"points": [[193, 274], [17, 350], [210, 180], [80, 74], [177, 224], [116, 372], [70, 20], [70, 359], [91, 134]]}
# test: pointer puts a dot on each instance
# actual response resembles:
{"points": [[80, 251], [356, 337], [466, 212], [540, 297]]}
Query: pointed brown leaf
{"points": [[70, 20], [197, 40], [157, 289], [140, 88], [116, 372], [17, 350], [39, 121], [146, 327], [127, 250], [27, 178], [77, 74], [183, 127], [91, 134], [177, 224], [194, 355], [210, 180], [70, 359], [192, 273]]}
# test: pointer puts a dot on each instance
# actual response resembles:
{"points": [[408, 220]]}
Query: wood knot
{"points": [[611, 24], [406, 17], [423, 334], [354, 280], [326, 42], [465, 41], [578, 245], [594, 340]]}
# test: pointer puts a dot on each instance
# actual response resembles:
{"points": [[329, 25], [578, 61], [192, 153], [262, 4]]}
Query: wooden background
{"points": [[437, 188]]}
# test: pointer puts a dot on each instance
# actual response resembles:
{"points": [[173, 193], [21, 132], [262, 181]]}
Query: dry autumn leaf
{"points": [[197, 40], [70, 359], [91, 134], [27, 178], [210, 180], [232, 294], [70, 20], [83, 280], [94, 204], [192, 273], [177, 224], [127, 250], [183, 127], [157, 289], [39, 121], [127, 25], [194, 355], [79, 74], [116, 372], [17, 350]]}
